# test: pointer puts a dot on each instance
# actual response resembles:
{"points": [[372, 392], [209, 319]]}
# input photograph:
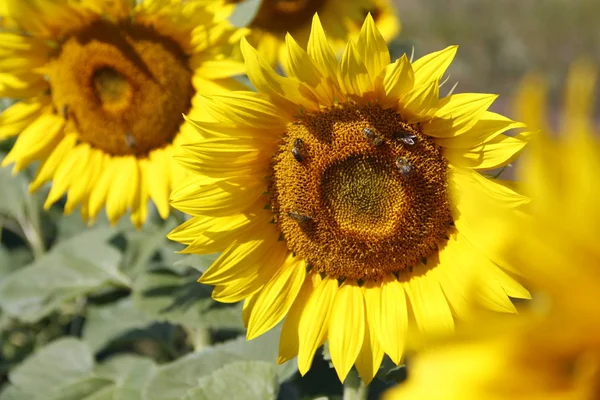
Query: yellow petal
{"points": [[298, 64], [100, 189], [248, 307], [457, 113], [287, 93], [18, 116], [289, 340], [371, 354], [419, 104], [242, 286], [51, 164], [394, 81], [86, 173], [450, 267], [158, 181], [121, 193], [320, 51], [312, 327], [392, 318], [432, 67], [372, 48], [66, 173], [246, 109], [430, 307], [139, 211], [37, 141], [579, 98], [215, 69], [239, 260], [220, 198], [346, 327], [276, 297], [494, 154], [353, 75], [489, 126], [20, 85]]}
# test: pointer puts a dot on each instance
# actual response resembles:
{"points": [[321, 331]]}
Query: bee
{"points": [[404, 166], [372, 137], [298, 217], [65, 111], [299, 150], [130, 140], [406, 138]]}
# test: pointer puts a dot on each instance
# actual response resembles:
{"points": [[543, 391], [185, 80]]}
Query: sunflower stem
{"points": [[200, 338], [354, 387], [33, 238]]}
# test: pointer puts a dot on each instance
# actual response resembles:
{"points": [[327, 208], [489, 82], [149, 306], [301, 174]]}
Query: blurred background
{"points": [[502, 40]]}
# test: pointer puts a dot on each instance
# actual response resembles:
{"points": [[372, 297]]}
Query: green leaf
{"points": [[90, 388], [173, 380], [61, 363], [245, 380], [14, 193], [142, 246], [75, 267], [12, 260], [65, 370], [106, 323], [165, 296], [130, 373], [199, 262]]}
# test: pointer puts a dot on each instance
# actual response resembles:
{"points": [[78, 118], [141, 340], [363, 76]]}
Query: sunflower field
{"points": [[299, 200]]}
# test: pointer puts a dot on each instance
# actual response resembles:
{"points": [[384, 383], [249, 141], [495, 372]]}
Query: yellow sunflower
{"points": [[103, 85], [554, 351], [340, 197], [341, 18]]}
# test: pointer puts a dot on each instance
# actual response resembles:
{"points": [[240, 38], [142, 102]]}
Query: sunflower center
{"points": [[122, 87], [111, 87], [285, 15], [359, 193]]}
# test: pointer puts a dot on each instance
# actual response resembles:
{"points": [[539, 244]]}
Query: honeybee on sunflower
{"points": [[340, 197]]}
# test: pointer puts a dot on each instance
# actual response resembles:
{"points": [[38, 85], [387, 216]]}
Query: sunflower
{"points": [[521, 363], [339, 196], [341, 18], [103, 85], [554, 351]]}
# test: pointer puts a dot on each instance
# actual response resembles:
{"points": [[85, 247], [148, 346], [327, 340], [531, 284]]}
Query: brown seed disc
{"points": [[123, 87], [285, 15], [359, 193]]}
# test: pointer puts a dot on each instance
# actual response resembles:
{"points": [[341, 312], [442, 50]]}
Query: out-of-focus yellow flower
{"points": [[524, 362], [102, 86], [341, 19], [340, 198], [554, 351]]}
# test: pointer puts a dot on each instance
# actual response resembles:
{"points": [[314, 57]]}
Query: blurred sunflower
{"points": [[103, 85], [341, 18], [339, 196], [553, 352]]}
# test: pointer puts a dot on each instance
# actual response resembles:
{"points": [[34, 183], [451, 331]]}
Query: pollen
{"points": [[367, 198], [122, 87]]}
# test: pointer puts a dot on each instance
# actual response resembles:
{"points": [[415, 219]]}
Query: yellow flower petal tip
{"points": [[364, 218]]}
